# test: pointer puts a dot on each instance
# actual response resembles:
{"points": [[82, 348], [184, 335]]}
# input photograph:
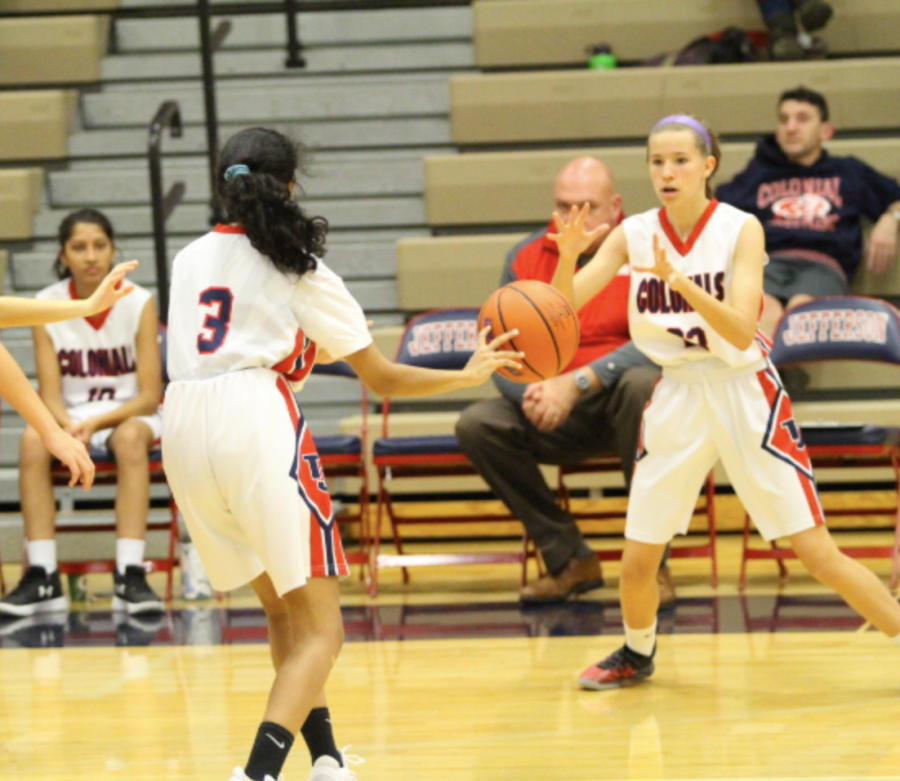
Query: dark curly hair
{"points": [[261, 202], [67, 228]]}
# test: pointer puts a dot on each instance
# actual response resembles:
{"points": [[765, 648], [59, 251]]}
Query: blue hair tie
{"points": [[236, 170]]}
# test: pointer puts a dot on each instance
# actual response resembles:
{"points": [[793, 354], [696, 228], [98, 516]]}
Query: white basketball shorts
{"points": [[242, 465], [742, 416], [100, 439]]}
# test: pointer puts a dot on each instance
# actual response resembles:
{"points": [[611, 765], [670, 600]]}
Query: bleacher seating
{"points": [[574, 105], [20, 199], [77, 44], [530, 33]]}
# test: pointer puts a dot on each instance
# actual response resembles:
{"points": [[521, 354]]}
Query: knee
{"points": [[130, 442], [799, 300], [638, 569], [32, 452], [474, 422]]}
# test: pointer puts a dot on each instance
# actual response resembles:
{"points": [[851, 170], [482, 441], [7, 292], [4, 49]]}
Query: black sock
{"points": [[270, 750], [319, 737]]}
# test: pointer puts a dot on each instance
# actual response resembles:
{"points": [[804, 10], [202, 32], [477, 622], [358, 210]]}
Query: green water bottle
{"points": [[600, 56]]}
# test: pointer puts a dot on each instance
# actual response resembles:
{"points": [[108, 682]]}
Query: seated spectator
{"points": [[101, 378], [592, 409], [812, 205], [781, 17]]}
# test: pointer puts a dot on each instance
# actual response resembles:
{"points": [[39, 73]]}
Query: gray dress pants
{"points": [[507, 450]]}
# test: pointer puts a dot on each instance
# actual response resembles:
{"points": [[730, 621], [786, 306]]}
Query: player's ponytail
{"points": [[256, 169]]}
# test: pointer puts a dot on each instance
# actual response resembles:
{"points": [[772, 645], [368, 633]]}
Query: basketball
{"points": [[547, 324]]}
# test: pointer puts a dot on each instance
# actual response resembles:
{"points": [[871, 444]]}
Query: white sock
{"points": [[643, 641], [42, 553], [128, 552]]}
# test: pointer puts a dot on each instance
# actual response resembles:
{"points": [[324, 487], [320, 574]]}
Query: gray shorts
{"points": [[787, 277]]}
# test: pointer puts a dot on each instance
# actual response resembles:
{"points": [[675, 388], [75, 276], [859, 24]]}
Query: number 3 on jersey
{"points": [[215, 326]]}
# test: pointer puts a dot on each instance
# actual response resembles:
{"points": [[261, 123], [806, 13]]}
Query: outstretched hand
{"points": [[571, 236], [74, 455], [661, 267], [110, 289], [487, 357]]}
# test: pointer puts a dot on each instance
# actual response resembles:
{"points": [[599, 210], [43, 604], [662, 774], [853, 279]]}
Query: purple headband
{"points": [[684, 119]]}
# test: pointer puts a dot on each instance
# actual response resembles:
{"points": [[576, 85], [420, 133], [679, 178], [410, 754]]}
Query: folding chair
{"points": [[706, 506], [831, 329], [106, 475], [345, 456], [439, 339]]}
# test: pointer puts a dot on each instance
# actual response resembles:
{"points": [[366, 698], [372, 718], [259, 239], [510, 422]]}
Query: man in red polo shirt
{"points": [[593, 408]]}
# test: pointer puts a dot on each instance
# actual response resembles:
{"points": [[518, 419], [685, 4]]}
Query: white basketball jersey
{"points": [[97, 355], [231, 309], [663, 325]]}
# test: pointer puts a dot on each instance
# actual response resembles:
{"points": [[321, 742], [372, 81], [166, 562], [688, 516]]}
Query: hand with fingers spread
{"points": [[73, 454], [488, 357], [111, 289], [662, 268], [572, 237]]}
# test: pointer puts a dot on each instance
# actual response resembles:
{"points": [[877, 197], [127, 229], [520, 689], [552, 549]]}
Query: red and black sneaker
{"points": [[621, 668]]}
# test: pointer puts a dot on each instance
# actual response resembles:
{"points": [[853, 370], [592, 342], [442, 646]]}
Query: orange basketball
{"points": [[547, 324]]}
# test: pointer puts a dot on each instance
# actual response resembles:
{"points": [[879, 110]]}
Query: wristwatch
{"points": [[582, 381]]}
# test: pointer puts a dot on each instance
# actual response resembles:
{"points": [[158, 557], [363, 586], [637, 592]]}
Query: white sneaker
{"points": [[194, 580], [238, 774], [328, 769]]}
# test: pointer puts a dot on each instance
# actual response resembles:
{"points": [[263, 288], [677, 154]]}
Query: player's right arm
{"points": [[572, 240], [387, 378], [34, 311], [49, 376]]}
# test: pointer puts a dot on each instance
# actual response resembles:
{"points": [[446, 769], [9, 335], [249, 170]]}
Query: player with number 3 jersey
{"points": [[694, 305], [252, 307]]}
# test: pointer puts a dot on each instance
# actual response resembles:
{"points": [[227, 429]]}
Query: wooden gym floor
{"points": [[449, 679]]}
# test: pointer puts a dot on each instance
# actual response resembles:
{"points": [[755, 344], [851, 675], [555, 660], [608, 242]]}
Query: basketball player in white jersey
{"points": [[101, 378], [252, 305], [17, 390], [694, 305]]}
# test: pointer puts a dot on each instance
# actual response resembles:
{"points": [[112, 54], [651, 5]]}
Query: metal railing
{"points": [[168, 115]]}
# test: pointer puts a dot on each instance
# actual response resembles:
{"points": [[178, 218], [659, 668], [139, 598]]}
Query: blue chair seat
{"points": [[823, 436], [104, 456], [416, 446], [338, 444]]}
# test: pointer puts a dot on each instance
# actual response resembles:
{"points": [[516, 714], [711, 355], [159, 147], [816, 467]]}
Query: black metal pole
{"points": [[209, 102], [168, 115], [294, 47]]}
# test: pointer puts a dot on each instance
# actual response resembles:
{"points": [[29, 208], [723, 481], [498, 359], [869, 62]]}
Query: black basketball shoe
{"points": [[621, 668], [37, 592], [133, 593]]}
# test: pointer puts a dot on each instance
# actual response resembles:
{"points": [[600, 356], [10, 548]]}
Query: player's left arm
{"points": [[149, 377], [736, 321]]}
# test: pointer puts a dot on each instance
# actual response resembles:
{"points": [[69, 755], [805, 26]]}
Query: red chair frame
{"points": [[800, 338], [438, 329]]}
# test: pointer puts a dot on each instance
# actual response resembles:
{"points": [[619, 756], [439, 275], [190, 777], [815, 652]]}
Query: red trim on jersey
{"points": [[684, 247], [94, 321], [220, 228], [326, 551], [299, 363]]}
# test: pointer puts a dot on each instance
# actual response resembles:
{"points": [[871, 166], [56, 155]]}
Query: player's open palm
{"points": [[661, 267], [488, 357], [110, 289], [73, 454], [572, 236]]}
